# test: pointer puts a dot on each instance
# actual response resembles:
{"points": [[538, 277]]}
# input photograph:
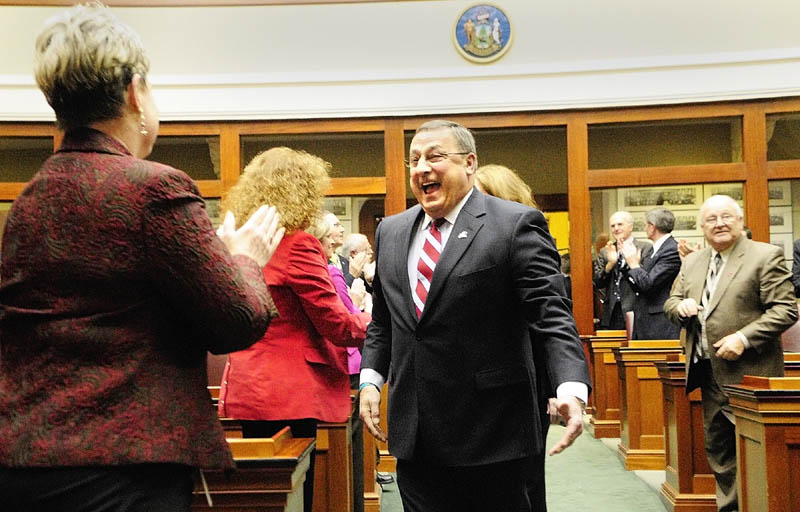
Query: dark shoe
{"points": [[384, 478]]}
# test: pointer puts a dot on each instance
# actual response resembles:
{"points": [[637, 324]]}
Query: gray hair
{"points": [[85, 58], [464, 137], [625, 215], [352, 243], [662, 219]]}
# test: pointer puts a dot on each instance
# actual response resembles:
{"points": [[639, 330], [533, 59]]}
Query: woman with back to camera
{"points": [[114, 286], [296, 375], [502, 182]]}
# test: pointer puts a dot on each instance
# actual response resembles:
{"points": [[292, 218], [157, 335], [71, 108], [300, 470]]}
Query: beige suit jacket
{"points": [[754, 295]]}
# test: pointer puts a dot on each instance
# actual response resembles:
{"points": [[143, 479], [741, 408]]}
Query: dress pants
{"points": [[720, 435], [134, 488], [300, 428], [357, 439], [498, 487]]}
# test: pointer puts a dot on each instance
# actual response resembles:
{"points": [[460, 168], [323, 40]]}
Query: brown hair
{"points": [[292, 181]]}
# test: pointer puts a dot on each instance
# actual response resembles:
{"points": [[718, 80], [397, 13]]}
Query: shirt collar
{"points": [[658, 243]]}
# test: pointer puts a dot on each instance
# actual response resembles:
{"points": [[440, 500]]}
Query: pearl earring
{"points": [[143, 129]]}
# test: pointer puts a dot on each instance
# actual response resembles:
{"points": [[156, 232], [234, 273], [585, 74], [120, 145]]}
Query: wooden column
{"points": [[587, 352], [333, 473], [767, 414], [269, 476], [580, 232], [605, 383], [641, 443], [689, 485]]}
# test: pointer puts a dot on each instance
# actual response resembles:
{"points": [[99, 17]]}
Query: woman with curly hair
{"points": [[296, 375], [500, 181]]}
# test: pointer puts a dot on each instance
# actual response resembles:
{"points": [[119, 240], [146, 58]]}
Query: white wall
{"points": [[398, 58]]}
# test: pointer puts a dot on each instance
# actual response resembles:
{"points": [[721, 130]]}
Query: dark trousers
{"points": [[357, 440], [535, 485], [135, 488], [300, 428], [720, 437], [617, 320], [498, 487]]}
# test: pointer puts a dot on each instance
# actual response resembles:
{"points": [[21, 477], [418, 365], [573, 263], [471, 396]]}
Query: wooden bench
{"points": [[605, 383], [269, 476], [641, 443]]}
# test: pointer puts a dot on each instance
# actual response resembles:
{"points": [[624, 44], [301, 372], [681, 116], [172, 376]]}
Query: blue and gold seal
{"points": [[482, 33]]}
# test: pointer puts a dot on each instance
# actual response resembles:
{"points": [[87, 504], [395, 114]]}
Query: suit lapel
{"points": [[732, 266], [461, 236]]}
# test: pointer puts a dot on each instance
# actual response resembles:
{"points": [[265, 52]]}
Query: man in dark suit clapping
{"points": [[650, 274], [467, 294]]}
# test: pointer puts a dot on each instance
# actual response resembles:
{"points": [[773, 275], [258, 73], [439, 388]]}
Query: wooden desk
{"points": [[689, 485], [333, 474], [767, 414], [269, 476], [641, 443], [605, 383]]}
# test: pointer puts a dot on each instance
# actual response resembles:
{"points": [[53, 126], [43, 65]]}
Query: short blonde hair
{"points": [[292, 181], [319, 228], [85, 58], [502, 182]]}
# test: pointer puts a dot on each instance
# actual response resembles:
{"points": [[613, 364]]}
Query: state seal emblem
{"points": [[482, 33]]}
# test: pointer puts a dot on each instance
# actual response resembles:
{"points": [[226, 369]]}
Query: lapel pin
{"points": [[463, 234]]}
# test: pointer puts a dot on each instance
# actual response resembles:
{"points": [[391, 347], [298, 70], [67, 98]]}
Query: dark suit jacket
{"points": [[607, 280], [114, 285], [753, 295], [652, 282], [462, 381]]}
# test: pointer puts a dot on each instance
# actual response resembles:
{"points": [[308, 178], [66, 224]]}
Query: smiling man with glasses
{"points": [[468, 304], [734, 299]]}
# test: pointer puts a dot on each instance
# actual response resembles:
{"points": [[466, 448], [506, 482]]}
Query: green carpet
{"points": [[587, 476]]}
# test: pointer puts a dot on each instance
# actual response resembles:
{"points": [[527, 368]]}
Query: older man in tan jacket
{"points": [[733, 300]]}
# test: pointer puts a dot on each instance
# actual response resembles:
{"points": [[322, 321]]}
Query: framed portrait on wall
{"points": [[784, 241], [780, 219], [693, 241], [780, 193], [213, 209], [734, 190], [339, 206], [680, 197]]}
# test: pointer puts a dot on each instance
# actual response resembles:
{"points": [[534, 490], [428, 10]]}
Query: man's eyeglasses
{"points": [[725, 218], [432, 159]]}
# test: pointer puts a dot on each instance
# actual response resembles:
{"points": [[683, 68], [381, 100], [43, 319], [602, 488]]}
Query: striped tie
{"points": [[711, 285], [428, 258]]}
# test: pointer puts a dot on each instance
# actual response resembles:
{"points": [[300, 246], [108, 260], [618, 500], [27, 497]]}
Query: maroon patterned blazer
{"points": [[114, 285]]}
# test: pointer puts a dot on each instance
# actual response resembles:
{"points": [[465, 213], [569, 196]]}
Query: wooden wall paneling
{"points": [[230, 156], [333, 472], [754, 153], [190, 129], [28, 130], [311, 126], [10, 191], [662, 113], [357, 186], [778, 105], [783, 169], [209, 188], [394, 150], [508, 120], [667, 175], [580, 233], [605, 418]]}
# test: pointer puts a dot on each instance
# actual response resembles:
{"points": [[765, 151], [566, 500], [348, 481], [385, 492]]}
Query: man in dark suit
{"points": [[467, 293], [796, 267], [651, 274], [734, 299], [619, 296]]}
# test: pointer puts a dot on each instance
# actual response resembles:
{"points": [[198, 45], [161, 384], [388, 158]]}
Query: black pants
{"points": [[498, 487], [135, 488], [300, 428]]}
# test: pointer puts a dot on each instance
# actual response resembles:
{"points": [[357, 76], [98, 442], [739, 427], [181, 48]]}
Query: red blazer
{"points": [[299, 368], [114, 285]]}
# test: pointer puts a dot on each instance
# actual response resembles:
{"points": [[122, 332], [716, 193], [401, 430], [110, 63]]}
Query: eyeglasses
{"points": [[725, 218], [432, 159]]}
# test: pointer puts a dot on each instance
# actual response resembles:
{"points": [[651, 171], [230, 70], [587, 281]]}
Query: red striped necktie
{"points": [[428, 258]]}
